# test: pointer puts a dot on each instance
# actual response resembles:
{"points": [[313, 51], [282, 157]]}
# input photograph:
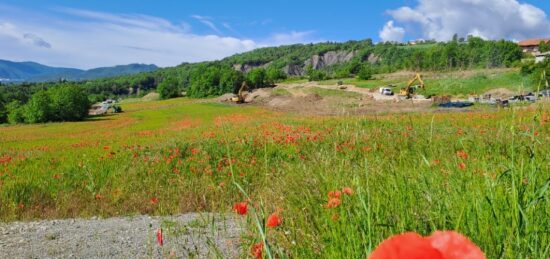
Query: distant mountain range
{"points": [[33, 72]]}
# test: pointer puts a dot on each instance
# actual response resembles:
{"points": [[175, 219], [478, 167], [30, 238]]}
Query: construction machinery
{"points": [[410, 90], [240, 95]]}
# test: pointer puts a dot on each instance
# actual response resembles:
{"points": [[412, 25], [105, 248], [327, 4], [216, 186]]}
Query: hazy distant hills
{"points": [[33, 72]]}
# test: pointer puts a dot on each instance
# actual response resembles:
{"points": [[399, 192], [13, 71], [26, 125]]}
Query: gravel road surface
{"points": [[184, 236]]}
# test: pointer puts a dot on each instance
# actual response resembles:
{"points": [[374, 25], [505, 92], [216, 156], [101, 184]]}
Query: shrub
{"points": [[39, 108], [69, 103], [365, 73], [15, 112], [169, 88]]}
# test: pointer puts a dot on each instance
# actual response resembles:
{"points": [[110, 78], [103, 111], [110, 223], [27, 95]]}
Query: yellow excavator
{"points": [[410, 90], [240, 95]]}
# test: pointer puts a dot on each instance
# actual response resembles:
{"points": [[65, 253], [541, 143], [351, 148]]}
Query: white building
{"points": [[540, 57]]}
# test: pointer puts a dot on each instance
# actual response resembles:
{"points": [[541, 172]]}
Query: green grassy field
{"points": [[453, 83], [485, 174]]}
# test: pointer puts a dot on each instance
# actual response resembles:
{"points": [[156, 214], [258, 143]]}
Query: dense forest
{"points": [[265, 66]]}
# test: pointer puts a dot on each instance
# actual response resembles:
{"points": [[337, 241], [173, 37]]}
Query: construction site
{"points": [[339, 98]]}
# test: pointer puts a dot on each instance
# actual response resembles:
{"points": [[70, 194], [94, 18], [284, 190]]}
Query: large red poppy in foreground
{"points": [[440, 245]]}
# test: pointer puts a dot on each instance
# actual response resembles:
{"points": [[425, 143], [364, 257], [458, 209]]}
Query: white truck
{"points": [[386, 91]]}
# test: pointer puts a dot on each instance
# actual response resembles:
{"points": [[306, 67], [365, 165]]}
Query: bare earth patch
{"points": [[189, 235]]}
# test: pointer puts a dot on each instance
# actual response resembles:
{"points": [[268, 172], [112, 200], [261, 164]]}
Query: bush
{"points": [[15, 112], [257, 78], [275, 75], [3, 111], [315, 75], [365, 73], [68, 103], [39, 108], [169, 88]]}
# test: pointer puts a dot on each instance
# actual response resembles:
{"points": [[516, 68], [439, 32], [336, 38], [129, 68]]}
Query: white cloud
{"points": [[87, 39], [392, 33], [291, 38], [490, 19], [207, 21]]}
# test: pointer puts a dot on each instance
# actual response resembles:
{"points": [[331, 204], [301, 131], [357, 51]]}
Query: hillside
{"points": [[35, 72]]}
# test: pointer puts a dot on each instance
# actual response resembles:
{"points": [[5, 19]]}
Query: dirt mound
{"points": [[225, 97], [501, 92], [261, 93], [151, 97]]}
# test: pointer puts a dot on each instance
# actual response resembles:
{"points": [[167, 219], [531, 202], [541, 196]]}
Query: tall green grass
{"points": [[409, 172]]}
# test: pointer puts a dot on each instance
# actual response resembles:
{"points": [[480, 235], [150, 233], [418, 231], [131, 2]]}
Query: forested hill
{"points": [[263, 67], [319, 61], [35, 72]]}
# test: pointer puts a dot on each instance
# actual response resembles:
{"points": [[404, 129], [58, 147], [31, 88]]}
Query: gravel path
{"points": [[189, 235]]}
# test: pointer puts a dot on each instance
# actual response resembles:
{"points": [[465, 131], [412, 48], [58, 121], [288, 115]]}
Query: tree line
{"points": [[60, 103]]}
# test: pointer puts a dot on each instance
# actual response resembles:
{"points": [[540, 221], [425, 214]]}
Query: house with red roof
{"points": [[532, 45]]}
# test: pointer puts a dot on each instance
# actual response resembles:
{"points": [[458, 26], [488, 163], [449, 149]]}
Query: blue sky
{"points": [[92, 33]]}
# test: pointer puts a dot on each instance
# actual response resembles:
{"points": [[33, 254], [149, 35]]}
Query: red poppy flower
{"points": [[160, 240], [273, 220], [347, 191], [454, 245], [98, 196], [461, 166], [462, 154], [334, 194], [333, 203], [257, 250], [440, 245], [241, 208], [408, 245], [154, 200]]}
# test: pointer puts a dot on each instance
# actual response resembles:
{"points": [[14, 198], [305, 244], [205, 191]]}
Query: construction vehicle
{"points": [[410, 90], [239, 98]]}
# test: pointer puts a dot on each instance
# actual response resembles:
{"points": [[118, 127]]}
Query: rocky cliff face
{"points": [[294, 70], [316, 61], [245, 68], [330, 58]]}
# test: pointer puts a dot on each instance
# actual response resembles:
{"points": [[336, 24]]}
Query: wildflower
{"points": [[347, 191], [98, 196], [106, 147], [453, 245], [154, 200], [408, 245], [335, 217], [462, 154], [160, 240], [443, 245], [21, 206], [273, 220], [436, 162], [241, 208], [462, 166], [334, 194], [257, 250], [333, 203]]}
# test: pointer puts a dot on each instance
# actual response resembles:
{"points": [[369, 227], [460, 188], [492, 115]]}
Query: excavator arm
{"points": [[409, 91]]}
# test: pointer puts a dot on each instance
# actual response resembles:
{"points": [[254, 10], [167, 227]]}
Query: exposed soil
{"points": [[304, 99], [184, 236]]}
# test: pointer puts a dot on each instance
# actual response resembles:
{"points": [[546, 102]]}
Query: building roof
{"points": [[532, 42]]}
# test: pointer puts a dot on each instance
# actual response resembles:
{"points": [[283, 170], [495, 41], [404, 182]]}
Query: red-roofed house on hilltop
{"points": [[532, 45]]}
